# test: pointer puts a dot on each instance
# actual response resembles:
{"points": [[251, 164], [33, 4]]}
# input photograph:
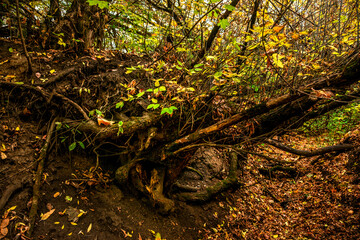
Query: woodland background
{"points": [[179, 119]]}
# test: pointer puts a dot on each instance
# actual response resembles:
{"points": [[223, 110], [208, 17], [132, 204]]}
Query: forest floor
{"points": [[319, 200]]}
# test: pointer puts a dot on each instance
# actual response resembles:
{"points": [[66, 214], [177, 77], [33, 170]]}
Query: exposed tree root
{"points": [[38, 177], [16, 185], [319, 151]]}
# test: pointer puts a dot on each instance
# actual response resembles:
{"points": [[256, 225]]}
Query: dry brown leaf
{"points": [[3, 232], [5, 223]]}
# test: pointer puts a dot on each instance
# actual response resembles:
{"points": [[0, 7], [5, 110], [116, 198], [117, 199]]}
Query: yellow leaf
{"points": [[295, 36], [277, 29], [274, 38], [72, 223], [1, 63], [56, 194], [316, 66], [157, 236], [281, 36], [17, 128], [56, 223], [10, 209], [89, 227], [276, 58], [47, 215], [70, 234], [304, 33], [52, 71], [275, 236], [3, 156], [62, 227]]}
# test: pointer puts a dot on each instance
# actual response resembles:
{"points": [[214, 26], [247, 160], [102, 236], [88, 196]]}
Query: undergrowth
{"points": [[334, 124]]}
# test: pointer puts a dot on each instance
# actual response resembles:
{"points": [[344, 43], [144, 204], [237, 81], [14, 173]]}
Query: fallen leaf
{"points": [[4, 223], [89, 227], [3, 232], [104, 122], [56, 194], [277, 29], [3, 156], [47, 215], [49, 206]]}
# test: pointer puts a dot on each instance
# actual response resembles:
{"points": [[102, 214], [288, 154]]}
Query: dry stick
{"points": [[306, 153], [38, 176], [30, 70]]}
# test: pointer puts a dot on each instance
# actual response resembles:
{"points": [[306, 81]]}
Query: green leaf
{"points": [[162, 88], [98, 112], [119, 105], [72, 146], [140, 94], [223, 23], [101, 4], [229, 7], [173, 108], [11, 50], [156, 106], [164, 110], [81, 144], [217, 75]]}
